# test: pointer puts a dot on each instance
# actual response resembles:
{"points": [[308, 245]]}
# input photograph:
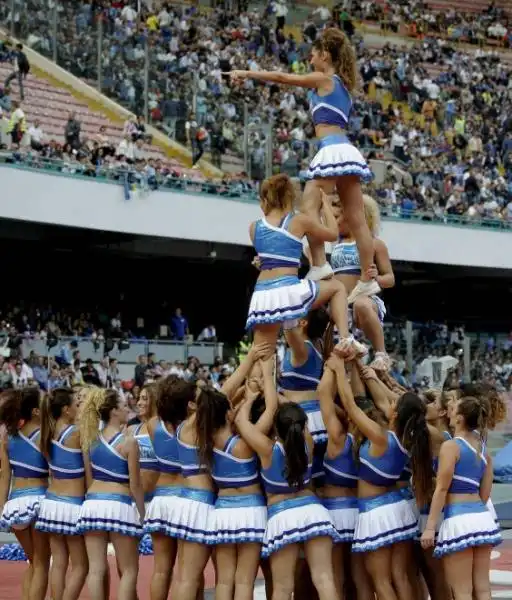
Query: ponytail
{"points": [[97, 406], [48, 424], [211, 413], [414, 436], [290, 422], [17, 406]]}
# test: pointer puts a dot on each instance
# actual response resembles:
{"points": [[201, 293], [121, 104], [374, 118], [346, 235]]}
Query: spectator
{"points": [[179, 326], [72, 131], [209, 334], [21, 70], [36, 135]]}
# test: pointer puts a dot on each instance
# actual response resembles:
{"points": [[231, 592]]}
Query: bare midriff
{"points": [[279, 272]]}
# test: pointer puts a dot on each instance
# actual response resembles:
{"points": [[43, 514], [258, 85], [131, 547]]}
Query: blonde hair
{"points": [[97, 406], [343, 56], [277, 191], [371, 214]]}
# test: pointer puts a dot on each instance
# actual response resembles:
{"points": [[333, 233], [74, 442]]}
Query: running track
{"points": [[11, 572]]}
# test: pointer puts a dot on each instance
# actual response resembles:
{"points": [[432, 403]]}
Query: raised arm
{"points": [[232, 384], [253, 437], [265, 422], [386, 277], [369, 428], [377, 389], [326, 391], [317, 230], [308, 80]]}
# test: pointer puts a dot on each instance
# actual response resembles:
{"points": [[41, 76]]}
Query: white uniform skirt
{"points": [[239, 519], [423, 518], [191, 516], [384, 520], [22, 508], [281, 299], [59, 514], [158, 511], [492, 510], [336, 157], [113, 513], [343, 512], [318, 432], [294, 521], [466, 525]]}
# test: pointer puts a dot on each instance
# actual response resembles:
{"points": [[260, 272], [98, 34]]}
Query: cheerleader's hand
{"points": [[372, 272], [335, 363], [368, 373], [236, 76], [427, 538], [262, 352], [256, 262]]}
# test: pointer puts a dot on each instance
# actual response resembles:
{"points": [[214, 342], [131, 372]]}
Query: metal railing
{"points": [[236, 189]]}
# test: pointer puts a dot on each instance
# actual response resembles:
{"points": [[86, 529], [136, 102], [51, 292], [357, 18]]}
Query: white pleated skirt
{"points": [[281, 299], [22, 508], [113, 513], [337, 157], [384, 520], [294, 521], [59, 514], [466, 525], [239, 519], [191, 516], [423, 518], [343, 512], [492, 510], [159, 510]]}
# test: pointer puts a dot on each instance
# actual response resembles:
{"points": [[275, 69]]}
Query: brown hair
{"points": [[52, 405], [343, 55], [475, 412], [17, 406], [152, 393], [277, 192]]}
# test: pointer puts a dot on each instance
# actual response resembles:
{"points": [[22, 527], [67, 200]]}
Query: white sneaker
{"points": [[361, 349], [381, 362], [364, 288], [319, 273]]}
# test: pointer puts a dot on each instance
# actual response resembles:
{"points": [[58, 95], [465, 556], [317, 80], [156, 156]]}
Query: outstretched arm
{"points": [[309, 80]]}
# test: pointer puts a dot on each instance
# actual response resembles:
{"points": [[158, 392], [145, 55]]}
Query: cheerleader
{"points": [[108, 514], [337, 164], [240, 515], [339, 494], [295, 515], [463, 486], [386, 519], [300, 375], [366, 313], [279, 296], [191, 514], [58, 516], [149, 467], [23, 483], [172, 405]]}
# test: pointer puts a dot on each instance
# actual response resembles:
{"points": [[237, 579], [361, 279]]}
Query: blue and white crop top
{"points": [[469, 469], [165, 445], [303, 378], [383, 470], [332, 109], [147, 455], [189, 457], [273, 478], [66, 463], [345, 258], [276, 246], [25, 457], [342, 470], [231, 472], [107, 464], [435, 461]]}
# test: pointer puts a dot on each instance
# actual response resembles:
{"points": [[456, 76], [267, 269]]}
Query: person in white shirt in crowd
{"points": [[36, 135], [209, 334], [126, 148]]}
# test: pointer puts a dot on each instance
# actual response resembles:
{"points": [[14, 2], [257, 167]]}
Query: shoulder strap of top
{"points": [[65, 433], [34, 435], [112, 442], [230, 443], [137, 429], [286, 221], [178, 430]]}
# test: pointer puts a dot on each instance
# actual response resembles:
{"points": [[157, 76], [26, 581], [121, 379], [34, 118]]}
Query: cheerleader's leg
{"points": [[226, 557], [458, 568], [378, 565], [25, 541], [402, 561], [338, 562], [319, 557], [481, 568], [60, 562], [366, 318], [98, 579], [267, 334], [248, 557], [282, 566], [127, 557], [40, 564], [360, 578], [79, 565], [164, 557], [192, 558]]}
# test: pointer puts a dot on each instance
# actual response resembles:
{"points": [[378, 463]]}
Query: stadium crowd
{"points": [[491, 358], [449, 124]]}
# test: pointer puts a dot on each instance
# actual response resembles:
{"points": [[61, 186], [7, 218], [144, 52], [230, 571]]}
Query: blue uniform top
{"points": [[332, 109], [303, 378], [345, 258], [276, 246], [189, 457], [25, 457], [148, 459], [66, 463], [469, 469], [166, 449], [231, 472], [383, 470], [107, 464], [342, 470], [273, 478]]}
